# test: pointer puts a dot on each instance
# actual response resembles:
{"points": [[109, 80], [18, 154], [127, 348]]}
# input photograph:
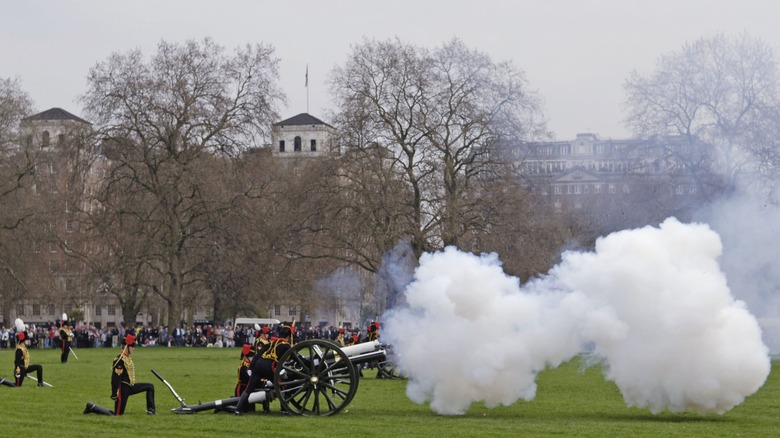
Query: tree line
{"points": [[175, 196]]}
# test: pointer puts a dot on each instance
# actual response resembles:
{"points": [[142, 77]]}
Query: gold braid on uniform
{"points": [[270, 352], [25, 354], [129, 366]]}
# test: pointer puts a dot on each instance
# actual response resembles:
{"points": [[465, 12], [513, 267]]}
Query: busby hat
{"points": [[246, 350], [285, 331], [20, 329]]}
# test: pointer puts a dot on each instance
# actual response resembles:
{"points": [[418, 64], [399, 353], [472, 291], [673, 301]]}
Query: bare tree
{"points": [[717, 93], [165, 123], [17, 164], [438, 114]]}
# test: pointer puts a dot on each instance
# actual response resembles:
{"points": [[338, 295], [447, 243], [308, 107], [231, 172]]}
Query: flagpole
{"points": [[307, 88]]}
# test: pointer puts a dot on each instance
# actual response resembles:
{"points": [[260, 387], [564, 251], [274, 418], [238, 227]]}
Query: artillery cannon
{"points": [[314, 377]]}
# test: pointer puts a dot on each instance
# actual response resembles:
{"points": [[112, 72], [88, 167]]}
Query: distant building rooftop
{"points": [[55, 114], [301, 119]]}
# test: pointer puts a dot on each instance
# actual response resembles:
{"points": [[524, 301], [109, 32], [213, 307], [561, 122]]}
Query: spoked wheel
{"points": [[315, 378], [388, 370]]}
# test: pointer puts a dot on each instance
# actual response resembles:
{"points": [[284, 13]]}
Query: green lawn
{"points": [[568, 403]]}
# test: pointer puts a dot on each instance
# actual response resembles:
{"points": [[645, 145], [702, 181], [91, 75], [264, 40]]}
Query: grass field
{"points": [[569, 403]]}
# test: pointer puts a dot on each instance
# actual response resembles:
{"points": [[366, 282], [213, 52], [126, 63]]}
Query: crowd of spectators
{"points": [[199, 335]]}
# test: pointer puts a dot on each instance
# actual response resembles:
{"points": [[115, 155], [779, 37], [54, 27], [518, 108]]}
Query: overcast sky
{"points": [[576, 53]]}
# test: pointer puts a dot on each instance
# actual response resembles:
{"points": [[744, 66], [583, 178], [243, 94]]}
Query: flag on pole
{"points": [[307, 75]]}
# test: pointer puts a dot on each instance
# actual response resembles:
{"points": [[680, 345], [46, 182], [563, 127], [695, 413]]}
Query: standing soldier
{"points": [[340, 338], [66, 337], [261, 338], [373, 331], [264, 364], [22, 365], [247, 353], [123, 383]]}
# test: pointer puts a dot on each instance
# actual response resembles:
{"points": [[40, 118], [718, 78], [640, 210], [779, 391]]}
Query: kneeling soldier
{"points": [[22, 365], [123, 383]]}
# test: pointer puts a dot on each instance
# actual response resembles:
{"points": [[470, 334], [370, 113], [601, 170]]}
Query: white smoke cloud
{"points": [[747, 225], [651, 304]]}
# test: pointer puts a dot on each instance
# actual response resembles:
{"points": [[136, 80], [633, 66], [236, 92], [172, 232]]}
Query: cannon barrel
{"points": [[378, 355], [360, 353], [364, 347]]}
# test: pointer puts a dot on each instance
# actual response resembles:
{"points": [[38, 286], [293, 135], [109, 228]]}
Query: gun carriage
{"points": [[315, 377]]}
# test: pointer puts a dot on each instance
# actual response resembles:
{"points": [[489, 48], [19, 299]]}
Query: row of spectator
{"points": [[205, 335]]}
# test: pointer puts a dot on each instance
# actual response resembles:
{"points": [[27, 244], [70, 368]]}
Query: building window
{"points": [[52, 247], [61, 140], [51, 310], [111, 310], [314, 145], [597, 188], [52, 266], [20, 309], [45, 139], [36, 247], [69, 226], [611, 188], [557, 190], [281, 145], [297, 144], [625, 189], [36, 309], [98, 311], [292, 311], [277, 310], [679, 190]]}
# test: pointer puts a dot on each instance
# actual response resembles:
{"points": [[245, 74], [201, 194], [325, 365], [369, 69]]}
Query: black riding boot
{"points": [[7, 383], [95, 409], [242, 403]]}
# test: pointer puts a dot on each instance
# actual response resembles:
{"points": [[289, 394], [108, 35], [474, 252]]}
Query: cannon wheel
{"points": [[388, 370], [308, 385]]}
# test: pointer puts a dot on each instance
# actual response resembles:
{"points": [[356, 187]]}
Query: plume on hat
{"points": [[20, 327], [64, 316]]}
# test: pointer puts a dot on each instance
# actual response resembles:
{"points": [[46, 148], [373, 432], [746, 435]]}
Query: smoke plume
{"points": [[651, 304]]}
